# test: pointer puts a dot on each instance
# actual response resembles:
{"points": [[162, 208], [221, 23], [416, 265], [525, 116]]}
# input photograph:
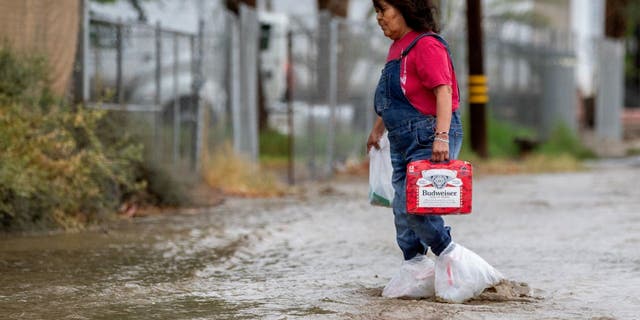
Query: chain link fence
{"points": [[530, 72], [187, 93], [336, 68], [170, 84], [314, 76]]}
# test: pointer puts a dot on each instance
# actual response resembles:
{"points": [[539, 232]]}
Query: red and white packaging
{"points": [[439, 188]]}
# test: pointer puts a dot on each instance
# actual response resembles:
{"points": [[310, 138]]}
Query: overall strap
{"points": [[422, 35], [439, 38]]}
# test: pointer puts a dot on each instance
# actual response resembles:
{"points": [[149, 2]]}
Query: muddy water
{"points": [[570, 243]]}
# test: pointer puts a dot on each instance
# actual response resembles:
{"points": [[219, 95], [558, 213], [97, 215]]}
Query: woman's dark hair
{"points": [[420, 15]]}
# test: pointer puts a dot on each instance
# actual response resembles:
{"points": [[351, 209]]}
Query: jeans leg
{"points": [[414, 230], [455, 136], [415, 233], [406, 238], [431, 230]]}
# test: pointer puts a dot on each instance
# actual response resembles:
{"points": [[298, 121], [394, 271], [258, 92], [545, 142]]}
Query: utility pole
{"points": [[478, 89], [615, 18]]}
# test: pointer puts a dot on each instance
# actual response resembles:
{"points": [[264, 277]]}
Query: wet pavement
{"points": [[572, 239]]}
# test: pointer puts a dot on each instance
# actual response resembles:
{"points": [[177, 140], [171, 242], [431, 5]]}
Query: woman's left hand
{"points": [[440, 151]]}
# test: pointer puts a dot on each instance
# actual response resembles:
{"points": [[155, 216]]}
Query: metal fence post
{"points": [[119, 58], [289, 97], [198, 104], [194, 105], [157, 120], [249, 37], [158, 71], [311, 132], [81, 70], [333, 93], [245, 112], [610, 95], [235, 84], [176, 101]]}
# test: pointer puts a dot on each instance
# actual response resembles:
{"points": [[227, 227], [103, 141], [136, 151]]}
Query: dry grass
{"points": [[234, 175], [536, 163]]}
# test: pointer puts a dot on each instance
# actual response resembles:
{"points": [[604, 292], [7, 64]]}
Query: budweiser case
{"points": [[439, 188]]}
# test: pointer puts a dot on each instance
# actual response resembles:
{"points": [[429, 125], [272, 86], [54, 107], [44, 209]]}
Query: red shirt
{"points": [[425, 67]]}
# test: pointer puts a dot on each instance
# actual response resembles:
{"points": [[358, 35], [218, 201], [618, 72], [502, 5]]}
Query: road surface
{"points": [[569, 242]]}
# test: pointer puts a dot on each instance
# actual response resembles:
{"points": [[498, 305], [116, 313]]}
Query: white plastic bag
{"points": [[461, 274], [380, 171], [413, 280]]}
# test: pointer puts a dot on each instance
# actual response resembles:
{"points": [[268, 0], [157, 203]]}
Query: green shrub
{"points": [[502, 136], [55, 167], [24, 79], [164, 186], [274, 144], [563, 141], [54, 170]]}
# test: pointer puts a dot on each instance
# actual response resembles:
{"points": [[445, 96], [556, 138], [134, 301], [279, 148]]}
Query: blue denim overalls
{"points": [[411, 135]]}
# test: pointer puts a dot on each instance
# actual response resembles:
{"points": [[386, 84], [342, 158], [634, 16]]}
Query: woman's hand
{"points": [[440, 151], [376, 134]]}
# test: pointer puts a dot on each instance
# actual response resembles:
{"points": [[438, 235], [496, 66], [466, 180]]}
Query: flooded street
{"points": [[574, 239]]}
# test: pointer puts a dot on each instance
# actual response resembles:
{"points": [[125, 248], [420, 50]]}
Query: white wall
{"points": [[358, 9], [587, 23]]}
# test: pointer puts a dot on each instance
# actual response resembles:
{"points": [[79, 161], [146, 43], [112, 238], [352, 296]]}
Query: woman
{"points": [[417, 103]]}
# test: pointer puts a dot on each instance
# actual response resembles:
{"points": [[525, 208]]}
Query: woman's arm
{"points": [[440, 151], [376, 134]]}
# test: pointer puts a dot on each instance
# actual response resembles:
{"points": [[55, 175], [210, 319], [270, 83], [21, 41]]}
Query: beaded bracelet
{"points": [[441, 140], [441, 133]]}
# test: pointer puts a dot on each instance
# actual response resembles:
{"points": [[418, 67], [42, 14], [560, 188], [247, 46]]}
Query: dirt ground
{"points": [[568, 243]]}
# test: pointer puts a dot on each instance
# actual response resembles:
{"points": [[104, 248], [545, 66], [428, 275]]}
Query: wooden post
{"points": [[478, 90]]}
